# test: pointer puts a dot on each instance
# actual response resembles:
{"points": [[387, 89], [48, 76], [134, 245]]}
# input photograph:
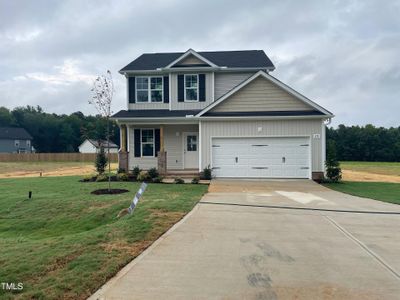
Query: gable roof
{"points": [[102, 143], [223, 59], [273, 80], [194, 53], [14, 133]]}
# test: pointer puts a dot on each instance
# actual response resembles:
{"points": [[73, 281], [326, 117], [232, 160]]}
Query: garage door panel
{"points": [[281, 157]]}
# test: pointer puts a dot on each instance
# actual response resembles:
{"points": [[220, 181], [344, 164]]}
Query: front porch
{"points": [[171, 148]]}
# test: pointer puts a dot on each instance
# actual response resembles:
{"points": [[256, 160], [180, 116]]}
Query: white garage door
{"points": [[261, 157]]}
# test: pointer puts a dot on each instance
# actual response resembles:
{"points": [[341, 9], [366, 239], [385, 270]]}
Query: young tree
{"points": [[333, 170], [101, 161], [102, 94]]}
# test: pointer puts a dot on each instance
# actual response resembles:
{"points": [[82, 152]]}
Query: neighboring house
{"points": [[93, 146], [187, 111], [15, 140]]}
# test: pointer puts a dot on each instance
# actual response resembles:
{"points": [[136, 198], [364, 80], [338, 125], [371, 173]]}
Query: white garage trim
{"points": [[308, 137]]}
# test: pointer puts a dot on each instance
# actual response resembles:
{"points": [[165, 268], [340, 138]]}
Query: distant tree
{"points": [[333, 170], [102, 95]]}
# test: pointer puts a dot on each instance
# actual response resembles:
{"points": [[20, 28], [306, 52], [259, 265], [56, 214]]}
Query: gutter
{"points": [[211, 69]]}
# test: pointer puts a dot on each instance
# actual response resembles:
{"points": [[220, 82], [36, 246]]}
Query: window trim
{"points": [[141, 142], [149, 90], [185, 88]]}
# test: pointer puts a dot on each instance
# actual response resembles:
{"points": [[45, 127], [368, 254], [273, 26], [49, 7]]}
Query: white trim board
{"points": [[273, 80]]}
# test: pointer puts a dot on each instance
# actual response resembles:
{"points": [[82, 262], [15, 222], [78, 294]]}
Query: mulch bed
{"points": [[109, 192]]}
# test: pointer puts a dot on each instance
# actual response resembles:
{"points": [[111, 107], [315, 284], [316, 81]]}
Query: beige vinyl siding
{"points": [[224, 82], [190, 60], [261, 95], [175, 105], [173, 143], [273, 128]]}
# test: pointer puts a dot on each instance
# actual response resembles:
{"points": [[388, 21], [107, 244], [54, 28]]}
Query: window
{"points": [[28, 143], [147, 142], [142, 89], [191, 143], [191, 88], [149, 89], [16, 143]]}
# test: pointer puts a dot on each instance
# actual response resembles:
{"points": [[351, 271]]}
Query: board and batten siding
{"points": [[224, 82], [190, 60], [261, 95], [173, 143], [175, 105], [269, 128]]}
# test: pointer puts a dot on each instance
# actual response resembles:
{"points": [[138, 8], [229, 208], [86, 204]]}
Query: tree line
{"points": [[365, 143], [57, 133]]}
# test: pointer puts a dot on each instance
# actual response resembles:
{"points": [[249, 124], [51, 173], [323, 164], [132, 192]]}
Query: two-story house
{"points": [[15, 140], [187, 111]]}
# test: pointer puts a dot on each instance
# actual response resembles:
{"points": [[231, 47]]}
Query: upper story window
{"points": [[16, 143], [149, 89], [191, 87]]}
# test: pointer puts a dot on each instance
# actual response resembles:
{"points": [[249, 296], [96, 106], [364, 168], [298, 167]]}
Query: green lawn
{"points": [[383, 191], [65, 243], [384, 168]]}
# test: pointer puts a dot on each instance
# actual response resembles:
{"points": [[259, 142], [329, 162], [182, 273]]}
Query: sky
{"points": [[344, 55]]}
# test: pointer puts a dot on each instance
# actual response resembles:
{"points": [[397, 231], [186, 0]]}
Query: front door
{"points": [[191, 150]]}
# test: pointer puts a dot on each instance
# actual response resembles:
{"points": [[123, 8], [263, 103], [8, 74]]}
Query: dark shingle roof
{"points": [[102, 143], [14, 133], [154, 113], [230, 59]]}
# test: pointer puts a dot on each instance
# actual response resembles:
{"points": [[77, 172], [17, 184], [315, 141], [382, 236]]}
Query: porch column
{"points": [[123, 154], [162, 155]]}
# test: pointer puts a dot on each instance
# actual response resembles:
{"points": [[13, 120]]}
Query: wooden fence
{"points": [[52, 157]]}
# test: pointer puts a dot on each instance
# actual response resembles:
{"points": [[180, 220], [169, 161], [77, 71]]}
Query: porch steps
{"points": [[183, 173]]}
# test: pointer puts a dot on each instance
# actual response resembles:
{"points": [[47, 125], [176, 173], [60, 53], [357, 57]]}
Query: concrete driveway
{"points": [[256, 240]]}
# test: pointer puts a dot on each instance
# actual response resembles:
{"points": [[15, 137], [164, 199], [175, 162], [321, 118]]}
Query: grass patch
{"points": [[65, 243], [383, 191], [383, 168]]}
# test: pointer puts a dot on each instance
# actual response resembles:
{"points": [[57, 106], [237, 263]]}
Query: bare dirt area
{"points": [[350, 175], [25, 169]]}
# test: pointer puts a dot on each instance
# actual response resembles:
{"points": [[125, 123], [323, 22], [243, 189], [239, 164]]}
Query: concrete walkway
{"points": [[253, 240]]}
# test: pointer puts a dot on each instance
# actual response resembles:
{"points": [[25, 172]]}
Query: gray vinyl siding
{"points": [[8, 146], [224, 82], [261, 95], [175, 105], [209, 129], [173, 144], [134, 106]]}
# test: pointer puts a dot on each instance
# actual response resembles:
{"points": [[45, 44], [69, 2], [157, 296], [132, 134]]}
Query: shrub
{"points": [[333, 170], [135, 172], [153, 173], [122, 177], [101, 161], [179, 180], [206, 174], [88, 178], [143, 176], [158, 179], [196, 180], [101, 178]]}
